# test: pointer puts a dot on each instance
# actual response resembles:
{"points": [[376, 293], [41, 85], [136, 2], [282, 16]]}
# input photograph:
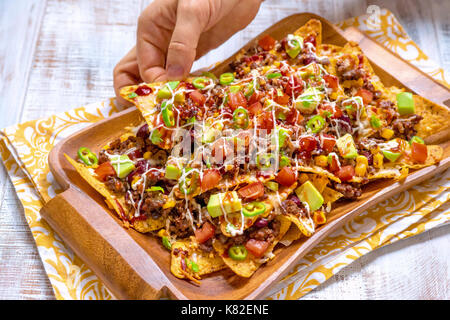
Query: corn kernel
{"points": [[147, 155], [387, 133], [360, 170], [276, 64], [321, 161], [378, 161], [162, 233], [247, 69], [319, 217], [169, 204], [362, 160]]}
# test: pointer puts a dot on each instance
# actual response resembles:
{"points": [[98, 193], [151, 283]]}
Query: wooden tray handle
{"points": [[405, 72], [72, 214]]}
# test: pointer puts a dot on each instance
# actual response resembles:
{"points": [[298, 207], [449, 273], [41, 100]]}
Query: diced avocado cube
{"points": [[122, 165], [307, 193], [391, 156], [165, 92], [282, 134], [214, 206], [210, 135], [308, 101], [229, 201], [405, 103], [346, 146], [272, 185], [310, 70], [172, 172]]}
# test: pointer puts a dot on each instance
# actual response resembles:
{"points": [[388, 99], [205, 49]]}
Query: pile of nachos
{"points": [[227, 166]]}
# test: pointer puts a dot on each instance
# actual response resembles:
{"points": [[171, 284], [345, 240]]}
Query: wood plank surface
{"points": [[60, 54]]}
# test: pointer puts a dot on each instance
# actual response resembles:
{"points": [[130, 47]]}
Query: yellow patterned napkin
{"points": [[24, 149]]}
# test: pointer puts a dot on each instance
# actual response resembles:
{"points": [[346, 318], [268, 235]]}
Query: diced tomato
{"points": [[265, 120], [419, 152], [252, 191], [197, 97], [366, 95], [237, 99], [333, 166], [328, 142], [294, 117], [308, 143], [326, 109], [294, 85], [104, 171], [311, 39], [283, 100], [346, 173], [286, 176], [205, 233], [257, 247], [331, 81], [255, 97], [210, 179], [143, 90], [266, 42], [255, 108]]}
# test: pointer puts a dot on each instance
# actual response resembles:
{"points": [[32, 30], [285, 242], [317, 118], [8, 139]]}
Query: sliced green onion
{"points": [[375, 122], [274, 75], [166, 243]]}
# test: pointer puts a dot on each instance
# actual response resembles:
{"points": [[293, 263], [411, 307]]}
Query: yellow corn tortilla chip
{"points": [[329, 195], [247, 267], [319, 181], [291, 235], [207, 262], [116, 202], [435, 117], [434, 155], [314, 27], [304, 224], [236, 218], [320, 171]]}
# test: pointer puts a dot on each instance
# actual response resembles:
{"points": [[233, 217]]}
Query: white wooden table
{"points": [[56, 55]]}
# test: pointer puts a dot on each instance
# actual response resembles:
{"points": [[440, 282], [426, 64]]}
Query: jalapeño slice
{"points": [[200, 82], [238, 253], [315, 124], [253, 209], [240, 118], [167, 114], [226, 78], [87, 156]]}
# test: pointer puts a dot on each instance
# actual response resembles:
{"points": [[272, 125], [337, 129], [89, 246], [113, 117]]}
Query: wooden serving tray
{"points": [[136, 266]]}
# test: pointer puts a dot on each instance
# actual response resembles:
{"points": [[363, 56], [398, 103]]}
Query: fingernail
{"points": [[175, 71]]}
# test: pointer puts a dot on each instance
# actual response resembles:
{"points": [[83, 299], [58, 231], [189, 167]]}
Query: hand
{"points": [[172, 34]]}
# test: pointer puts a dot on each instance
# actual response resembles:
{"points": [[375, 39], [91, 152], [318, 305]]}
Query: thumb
{"points": [[183, 43]]}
